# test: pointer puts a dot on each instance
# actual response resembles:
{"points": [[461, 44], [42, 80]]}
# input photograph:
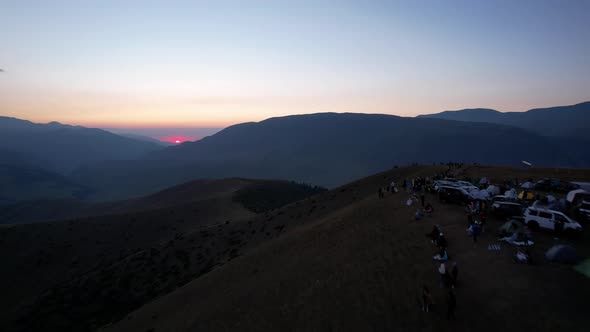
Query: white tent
{"points": [[511, 193], [528, 185], [480, 194], [493, 190]]}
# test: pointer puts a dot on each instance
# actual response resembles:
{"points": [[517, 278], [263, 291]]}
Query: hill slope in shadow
{"points": [[81, 273]]}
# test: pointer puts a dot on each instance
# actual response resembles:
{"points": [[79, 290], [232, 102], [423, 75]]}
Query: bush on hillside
{"points": [[268, 195]]}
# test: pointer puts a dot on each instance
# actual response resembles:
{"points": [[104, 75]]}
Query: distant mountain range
{"points": [[329, 149], [326, 149], [63, 148], [563, 121], [36, 159], [145, 139]]}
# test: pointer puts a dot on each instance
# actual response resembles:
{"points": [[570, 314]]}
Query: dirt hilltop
{"points": [[361, 266]]}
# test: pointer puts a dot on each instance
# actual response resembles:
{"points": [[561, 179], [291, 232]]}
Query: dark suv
{"points": [[507, 209], [548, 184], [453, 195]]}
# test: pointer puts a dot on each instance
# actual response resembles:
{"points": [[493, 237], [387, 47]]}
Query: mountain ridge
{"points": [[558, 121], [329, 149], [63, 148]]}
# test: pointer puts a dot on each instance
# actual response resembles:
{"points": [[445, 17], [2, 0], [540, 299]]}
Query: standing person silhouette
{"points": [[451, 304]]}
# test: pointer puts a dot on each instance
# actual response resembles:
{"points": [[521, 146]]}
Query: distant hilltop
{"points": [[568, 121]]}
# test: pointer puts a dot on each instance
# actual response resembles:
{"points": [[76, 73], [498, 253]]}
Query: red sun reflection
{"points": [[174, 139]]}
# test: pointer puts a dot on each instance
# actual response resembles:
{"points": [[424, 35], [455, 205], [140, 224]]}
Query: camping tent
{"points": [[528, 197], [584, 268], [511, 227], [528, 185], [493, 190], [511, 194], [562, 253], [480, 194]]}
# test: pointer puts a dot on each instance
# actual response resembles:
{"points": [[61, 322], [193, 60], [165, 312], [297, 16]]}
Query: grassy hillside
{"points": [[355, 263], [82, 273]]}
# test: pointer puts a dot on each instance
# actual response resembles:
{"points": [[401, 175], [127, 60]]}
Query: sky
{"points": [[152, 65]]}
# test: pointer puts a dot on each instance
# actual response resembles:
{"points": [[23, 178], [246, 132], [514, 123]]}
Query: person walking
{"points": [[442, 271], [426, 299], [454, 275], [475, 229], [451, 304]]}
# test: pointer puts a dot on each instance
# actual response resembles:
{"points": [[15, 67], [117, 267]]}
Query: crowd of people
{"points": [[416, 188], [476, 212]]}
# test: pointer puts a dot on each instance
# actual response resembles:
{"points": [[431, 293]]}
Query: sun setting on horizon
{"points": [[275, 165], [176, 139], [288, 58]]}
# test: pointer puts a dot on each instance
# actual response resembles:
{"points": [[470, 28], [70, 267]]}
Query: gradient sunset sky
{"points": [[184, 64]]}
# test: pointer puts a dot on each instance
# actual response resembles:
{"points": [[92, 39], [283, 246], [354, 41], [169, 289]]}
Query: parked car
{"points": [[440, 183], [537, 218], [579, 185], [503, 198], [547, 184], [584, 210], [454, 195], [466, 185], [504, 209]]}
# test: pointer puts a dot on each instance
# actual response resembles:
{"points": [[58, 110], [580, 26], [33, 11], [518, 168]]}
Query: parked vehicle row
{"points": [[538, 216]]}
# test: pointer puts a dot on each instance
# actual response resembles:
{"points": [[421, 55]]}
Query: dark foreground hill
{"points": [[340, 260], [329, 149], [79, 274], [562, 121]]}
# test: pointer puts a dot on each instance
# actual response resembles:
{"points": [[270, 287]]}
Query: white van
{"points": [[536, 217]]}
